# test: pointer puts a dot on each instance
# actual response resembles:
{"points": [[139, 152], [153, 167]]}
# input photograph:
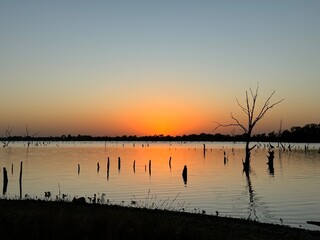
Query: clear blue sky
{"points": [[152, 67]]}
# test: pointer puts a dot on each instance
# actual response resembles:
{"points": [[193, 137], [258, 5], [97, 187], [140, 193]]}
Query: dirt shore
{"points": [[34, 219]]}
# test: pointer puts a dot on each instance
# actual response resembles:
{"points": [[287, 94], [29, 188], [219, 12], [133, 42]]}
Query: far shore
{"points": [[38, 219]]}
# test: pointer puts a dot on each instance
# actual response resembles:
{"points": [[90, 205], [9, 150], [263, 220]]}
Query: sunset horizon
{"points": [[142, 68]]}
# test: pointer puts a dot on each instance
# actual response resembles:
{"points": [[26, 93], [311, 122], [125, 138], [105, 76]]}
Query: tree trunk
{"points": [[246, 164]]}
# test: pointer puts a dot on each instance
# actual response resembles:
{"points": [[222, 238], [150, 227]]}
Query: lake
{"points": [[287, 195]]}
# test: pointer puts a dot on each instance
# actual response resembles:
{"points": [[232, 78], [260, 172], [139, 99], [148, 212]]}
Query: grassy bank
{"points": [[65, 220]]}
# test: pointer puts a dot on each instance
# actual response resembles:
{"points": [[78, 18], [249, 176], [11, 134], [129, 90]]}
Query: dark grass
{"points": [[35, 219]]}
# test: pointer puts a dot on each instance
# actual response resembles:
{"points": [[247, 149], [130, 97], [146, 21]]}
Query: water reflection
{"points": [[214, 187], [252, 200]]}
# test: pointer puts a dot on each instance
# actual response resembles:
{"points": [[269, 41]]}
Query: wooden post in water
{"points": [[119, 163], [185, 174], [108, 167], [150, 167], [5, 180], [108, 164], [20, 180], [98, 166], [204, 150], [78, 168], [270, 162], [170, 162], [225, 159], [12, 169], [134, 165]]}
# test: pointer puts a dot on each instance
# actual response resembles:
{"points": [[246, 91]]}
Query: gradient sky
{"points": [[155, 67]]}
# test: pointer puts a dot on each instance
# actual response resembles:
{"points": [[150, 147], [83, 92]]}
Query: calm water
{"points": [[291, 193]]}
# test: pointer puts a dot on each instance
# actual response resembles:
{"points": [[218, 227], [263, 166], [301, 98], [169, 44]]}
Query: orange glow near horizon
{"points": [[155, 118]]}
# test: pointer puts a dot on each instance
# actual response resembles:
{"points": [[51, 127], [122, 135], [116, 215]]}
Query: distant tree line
{"points": [[310, 133]]}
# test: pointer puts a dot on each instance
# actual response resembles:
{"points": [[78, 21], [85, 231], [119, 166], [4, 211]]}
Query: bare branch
{"points": [[253, 147], [8, 135], [239, 124], [254, 99], [266, 107], [27, 131], [243, 109], [224, 125], [248, 107]]}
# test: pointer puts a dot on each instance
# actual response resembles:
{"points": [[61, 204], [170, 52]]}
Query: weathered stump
{"points": [[20, 180], [134, 166], [270, 162], [5, 180], [185, 174], [225, 159], [108, 164]]}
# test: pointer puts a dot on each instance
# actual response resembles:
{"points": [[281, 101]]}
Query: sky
{"points": [[155, 67]]}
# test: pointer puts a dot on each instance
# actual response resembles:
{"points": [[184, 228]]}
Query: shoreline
{"points": [[39, 219]]}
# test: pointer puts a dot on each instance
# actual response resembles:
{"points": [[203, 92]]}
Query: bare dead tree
{"points": [[249, 108], [8, 136], [28, 137]]}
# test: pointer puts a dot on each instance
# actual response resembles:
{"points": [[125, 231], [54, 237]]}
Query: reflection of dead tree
{"points": [[8, 136], [249, 109], [279, 132], [252, 203], [28, 137]]}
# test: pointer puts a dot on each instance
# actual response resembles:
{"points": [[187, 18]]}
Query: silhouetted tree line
{"points": [[309, 133]]}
